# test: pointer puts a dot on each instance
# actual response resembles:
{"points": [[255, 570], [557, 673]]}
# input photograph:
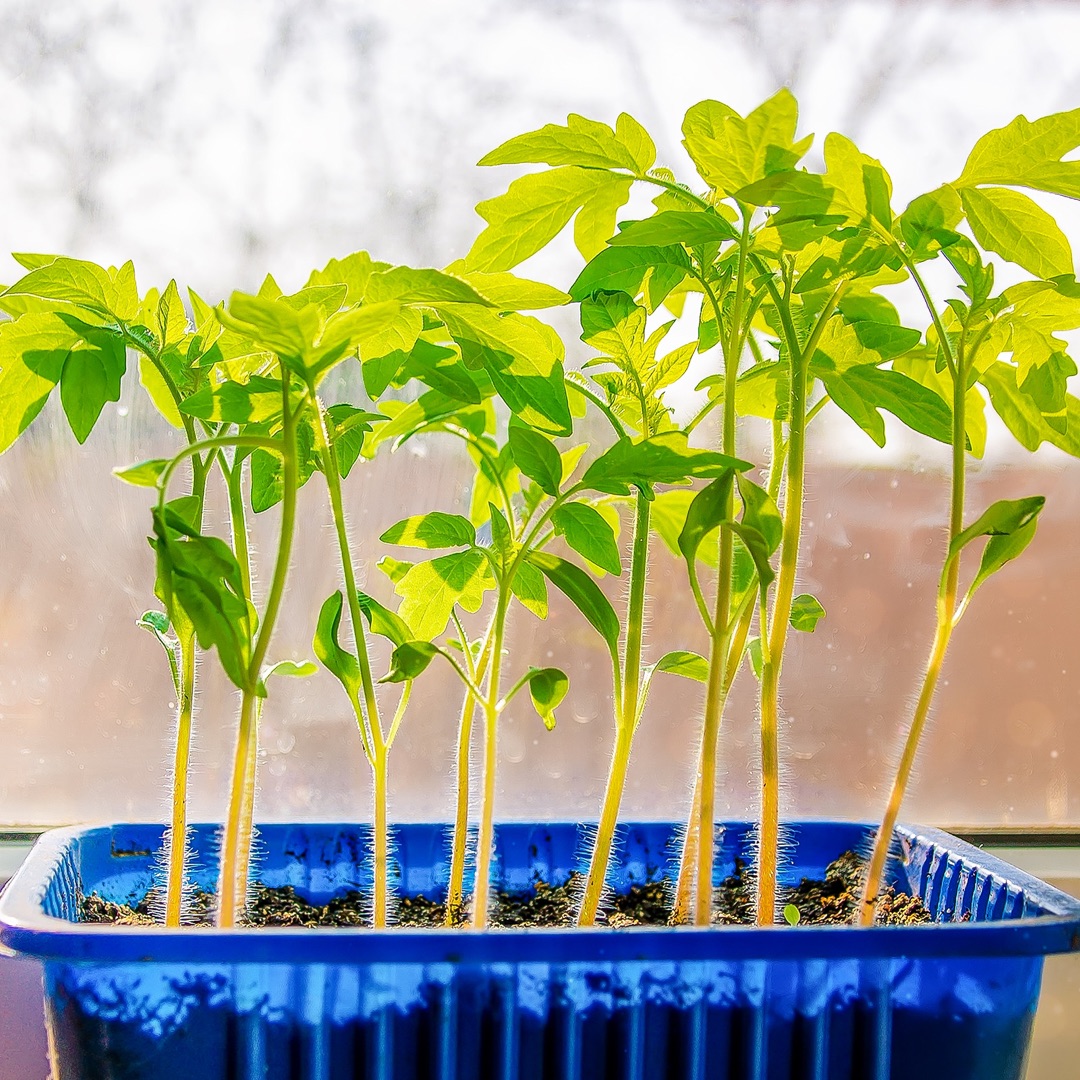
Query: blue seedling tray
{"points": [[810, 1003]]}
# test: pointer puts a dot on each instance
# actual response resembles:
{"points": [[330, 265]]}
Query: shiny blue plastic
{"points": [[809, 1003]]}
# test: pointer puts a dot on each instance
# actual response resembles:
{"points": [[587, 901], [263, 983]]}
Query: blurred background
{"points": [[215, 143]]}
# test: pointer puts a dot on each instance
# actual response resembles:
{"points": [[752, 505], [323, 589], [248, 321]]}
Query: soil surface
{"points": [[827, 902]]}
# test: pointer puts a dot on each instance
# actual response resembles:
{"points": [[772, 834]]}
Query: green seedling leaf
{"points": [[521, 356], [662, 459], [348, 426], [409, 660], [792, 915], [586, 531], [256, 401], [508, 292], [201, 574], [580, 141], [806, 613], [624, 269], [273, 325], [90, 377], [502, 538], [1003, 519], [537, 457], [706, 511], [340, 663], [429, 590], [692, 228], [536, 208], [731, 152], [434, 530], [1028, 154], [157, 623], [529, 586], [354, 272], [547, 688], [421, 286], [67, 283], [1019, 230], [1003, 549], [442, 370], [689, 665], [383, 621], [292, 669], [930, 218], [760, 512], [144, 474], [583, 593]]}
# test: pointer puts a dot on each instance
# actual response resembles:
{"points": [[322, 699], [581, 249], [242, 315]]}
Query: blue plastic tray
{"points": [[826, 1003]]}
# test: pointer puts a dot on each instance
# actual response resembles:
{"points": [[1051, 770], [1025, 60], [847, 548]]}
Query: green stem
{"points": [[626, 716], [230, 899], [776, 632], [455, 890], [368, 716], [486, 838], [177, 849], [946, 609], [715, 688]]}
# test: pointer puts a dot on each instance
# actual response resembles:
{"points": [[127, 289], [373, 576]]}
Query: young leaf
{"points": [[340, 663], [529, 587], [547, 688], [536, 457], [806, 613], [253, 402], [421, 286], [1028, 154], [63, 282], [661, 459], [429, 590], [144, 474], [1002, 549], [534, 210], [508, 292], [291, 668], [1003, 518], [434, 530], [586, 531], [757, 661], [792, 915], [624, 269], [707, 509], [383, 621], [409, 660], [689, 665], [1019, 230], [760, 512], [583, 593], [689, 227], [731, 152], [90, 377], [584, 142]]}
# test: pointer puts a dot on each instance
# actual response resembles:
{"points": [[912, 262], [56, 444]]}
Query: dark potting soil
{"points": [[829, 901]]}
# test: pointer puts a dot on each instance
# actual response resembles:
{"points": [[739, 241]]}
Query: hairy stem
{"points": [[627, 711], [230, 899], [946, 608], [177, 843]]}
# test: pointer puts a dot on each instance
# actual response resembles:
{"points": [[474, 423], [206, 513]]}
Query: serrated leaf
{"points": [[394, 569], [421, 286], [537, 457], [580, 141], [534, 210], [508, 292], [433, 530], [65, 281], [1019, 230], [806, 613], [731, 152], [1027, 153], [429, 590], [253, 402], [586, 531]]}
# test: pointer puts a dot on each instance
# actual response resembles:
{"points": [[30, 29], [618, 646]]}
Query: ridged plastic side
{"points": [[539, 1005], [808, 1020]]}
